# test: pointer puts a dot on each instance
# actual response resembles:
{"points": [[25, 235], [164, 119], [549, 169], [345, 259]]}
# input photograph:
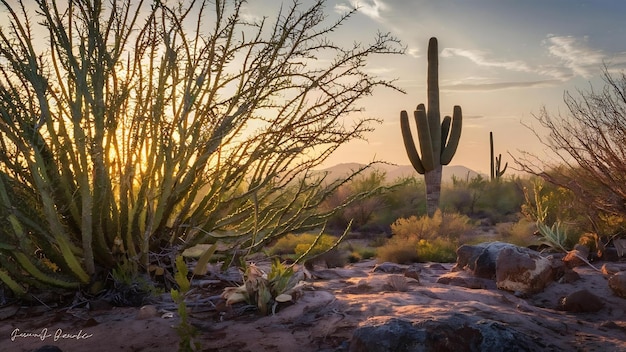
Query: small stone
{"points": [[147, 312], [465, 279], [569, 277], [413, 272], [389, 268], [617, 283]]}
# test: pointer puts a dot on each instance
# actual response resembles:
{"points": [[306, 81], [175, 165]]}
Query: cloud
{"points": [[572, 57], [501, 85], [414, 52], [370, 8], [575, 54], [480, 58]]}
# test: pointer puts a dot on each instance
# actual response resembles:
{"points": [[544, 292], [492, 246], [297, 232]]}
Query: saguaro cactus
{"points": [[496, 162], [438, 140]]}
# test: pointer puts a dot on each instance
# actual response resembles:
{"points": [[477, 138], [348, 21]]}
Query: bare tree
{"points": [[141, 124], [590, 145]]}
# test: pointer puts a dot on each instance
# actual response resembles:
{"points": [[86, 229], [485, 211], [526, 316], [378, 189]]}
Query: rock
{"points": [[617, 283], [389, 268], [610, 254], [581, 301], [465, 279], [436, 266], [575, 257], [457, 332], [523, 270], [480, 259], [569, 276], [147, 312], [382, 335], [413, 271]]}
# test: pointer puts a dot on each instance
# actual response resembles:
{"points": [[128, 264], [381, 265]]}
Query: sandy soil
{"points": [[323, 318]]}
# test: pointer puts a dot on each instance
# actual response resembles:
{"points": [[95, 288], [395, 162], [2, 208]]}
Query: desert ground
{"points": [[331, 306]]}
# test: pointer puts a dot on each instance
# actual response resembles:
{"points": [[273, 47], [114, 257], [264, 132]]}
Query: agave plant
{"points": [[266, 290]]}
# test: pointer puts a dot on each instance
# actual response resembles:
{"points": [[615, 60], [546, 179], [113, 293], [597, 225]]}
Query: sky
{"points": [[502, 61]]}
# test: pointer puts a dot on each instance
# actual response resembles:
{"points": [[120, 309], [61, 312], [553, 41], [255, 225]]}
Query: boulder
{"points": [[617, 283], [581, 301], [465, 279], [523, 271], [458, 332], [480, 259]]}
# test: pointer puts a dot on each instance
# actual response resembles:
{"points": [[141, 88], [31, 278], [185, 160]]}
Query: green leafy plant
{"points": [[186, 331], [438, 140], [436, 250], [555, 236], [265, 290]]}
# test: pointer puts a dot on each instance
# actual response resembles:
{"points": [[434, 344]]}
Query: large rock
{"points": [[514, 268], [581, 301], [457, 332], [617, 283], [480, 259], [524, 271]]}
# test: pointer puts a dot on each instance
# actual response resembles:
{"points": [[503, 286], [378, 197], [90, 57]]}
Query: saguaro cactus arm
{"points": [[425, 163], [499, 172], [452, 126]]}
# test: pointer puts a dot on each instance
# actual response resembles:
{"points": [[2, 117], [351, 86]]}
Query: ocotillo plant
{"points": [[496, 162], [438, 140]]}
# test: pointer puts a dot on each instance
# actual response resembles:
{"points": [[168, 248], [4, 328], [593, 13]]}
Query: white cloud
{"points": [[370, 8], [480, 58], [414, 52], [575, 54]]}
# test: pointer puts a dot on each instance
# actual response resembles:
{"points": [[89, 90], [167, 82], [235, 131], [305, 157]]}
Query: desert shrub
{"points": [[450, 226], [416, 239], [401, 251], [553, 209], [458, 199], [520, 233], [375, 213], [501, 201], [436, 250], [479, 198], [298, 244], [358, 252]]}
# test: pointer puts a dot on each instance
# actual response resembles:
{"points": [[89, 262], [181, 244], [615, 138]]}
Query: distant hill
{"points": [[394, 172]]}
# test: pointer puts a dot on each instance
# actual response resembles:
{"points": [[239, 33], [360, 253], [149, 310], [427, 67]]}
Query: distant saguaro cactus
{"points": [[496, 162], [438, 140]]}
